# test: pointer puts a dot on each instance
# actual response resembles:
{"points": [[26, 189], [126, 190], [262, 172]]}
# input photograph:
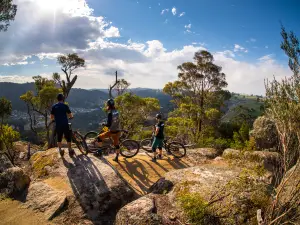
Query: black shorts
{"points": [[63, 131]]}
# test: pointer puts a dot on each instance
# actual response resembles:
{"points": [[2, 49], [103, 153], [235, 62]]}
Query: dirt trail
{"points": [[14, 213]]}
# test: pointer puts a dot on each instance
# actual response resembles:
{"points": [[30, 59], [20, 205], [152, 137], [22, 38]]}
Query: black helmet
{"points": [[158, 116], [60, 97], [110, 102]]}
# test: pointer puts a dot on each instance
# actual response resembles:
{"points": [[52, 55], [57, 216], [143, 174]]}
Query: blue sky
{"points": [[148, 39]]}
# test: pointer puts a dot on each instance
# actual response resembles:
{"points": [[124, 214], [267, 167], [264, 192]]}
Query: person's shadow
{"points": [[89, 188]]}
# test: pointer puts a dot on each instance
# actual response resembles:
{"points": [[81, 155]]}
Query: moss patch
{"points": [[40, 161]]}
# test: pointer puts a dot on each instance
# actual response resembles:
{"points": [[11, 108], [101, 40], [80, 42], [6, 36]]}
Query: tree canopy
{"points": [[69, 63], [8, 12], [197, 90]]}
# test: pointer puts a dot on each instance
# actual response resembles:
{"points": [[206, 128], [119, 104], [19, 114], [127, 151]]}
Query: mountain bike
{"points": [[76, 138], [128, 148], [174, 148]]}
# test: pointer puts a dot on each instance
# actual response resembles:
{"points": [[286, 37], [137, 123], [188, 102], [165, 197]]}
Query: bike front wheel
{"points": [[129, 148], [146, 144], [177, 149], [90, 139], [80, 143]]}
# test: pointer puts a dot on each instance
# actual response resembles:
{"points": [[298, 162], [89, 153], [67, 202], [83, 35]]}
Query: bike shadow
{"points": [[89, 187], [141, 173]]}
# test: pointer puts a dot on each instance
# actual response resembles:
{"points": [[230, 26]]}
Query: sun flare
{"points": [[52, 4]]}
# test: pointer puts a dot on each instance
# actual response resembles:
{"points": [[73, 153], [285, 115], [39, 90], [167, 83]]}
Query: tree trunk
{"points": [[202, 109], [112, 87]]}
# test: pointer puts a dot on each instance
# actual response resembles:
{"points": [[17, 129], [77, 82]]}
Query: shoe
{"points": [[71, 152], [98, 153], [153, 159], [159, 156], [116, 159], [61, 152]]}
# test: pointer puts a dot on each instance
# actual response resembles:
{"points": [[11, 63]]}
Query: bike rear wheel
{"points": [[90, 138], [129, 148], [80, 143], [177, 149], [146, 144]]}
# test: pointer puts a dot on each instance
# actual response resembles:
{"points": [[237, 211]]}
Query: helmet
{"points": [[110, 102], [158, 116], [60, 97]]}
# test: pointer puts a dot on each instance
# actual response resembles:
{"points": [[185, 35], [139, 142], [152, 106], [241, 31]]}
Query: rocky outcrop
{"points": [[13, 180], [91, 182], [271, 160], [162, 186], [141, 211], [208, 153], [42, 197], [207, 194]]}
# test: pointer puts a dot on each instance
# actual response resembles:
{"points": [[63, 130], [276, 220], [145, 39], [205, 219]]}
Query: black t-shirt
{"points": [[60, 111], [161, 126]]}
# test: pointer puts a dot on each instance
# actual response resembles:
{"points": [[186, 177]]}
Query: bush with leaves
{"points": [[8, 12], [5, 109], [40, 103], [134, 111], [283, 108], [7, 138]]}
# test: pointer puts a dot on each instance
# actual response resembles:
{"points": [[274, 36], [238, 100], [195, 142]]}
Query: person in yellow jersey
{"points": [[113, 124]]}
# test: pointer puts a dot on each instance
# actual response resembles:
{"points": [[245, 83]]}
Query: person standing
{"points": [[158, 138], [60, 113]]}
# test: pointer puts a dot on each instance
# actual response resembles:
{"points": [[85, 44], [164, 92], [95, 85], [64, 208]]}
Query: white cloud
{"points": [[71, 27], [174, 11], [189, 26], [266, 46], [16, 79], [252, 40], [198, 43], [142, 64], [238, 48], [164, 11], [112, 32], [266, 58], [181, 14]]}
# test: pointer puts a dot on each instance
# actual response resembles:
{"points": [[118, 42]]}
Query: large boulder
{"points": [[208, 194], [94, 185], [13, 181], [162, 186], [141, 211], [44, 198], [264, 133], [271, 160], [4, 163], [288, 193]]}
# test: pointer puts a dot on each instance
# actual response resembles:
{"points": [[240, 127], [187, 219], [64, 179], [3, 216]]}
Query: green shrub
{"points": [[237, 142], [196, 208], [221, 144]]}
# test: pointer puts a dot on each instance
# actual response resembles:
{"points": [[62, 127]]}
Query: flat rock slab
{"points": [[44, 198]]}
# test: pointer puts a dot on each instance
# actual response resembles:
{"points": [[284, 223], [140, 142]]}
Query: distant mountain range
{"points": [[78, 98]]}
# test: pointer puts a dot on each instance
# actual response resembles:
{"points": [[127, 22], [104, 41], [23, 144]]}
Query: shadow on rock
{"points": [[100, 194]]}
